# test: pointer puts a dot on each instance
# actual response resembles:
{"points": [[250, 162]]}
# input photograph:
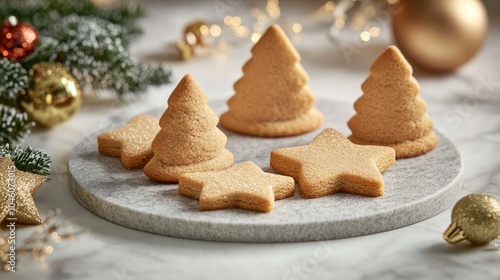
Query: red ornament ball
{"points": [[17, 39]]}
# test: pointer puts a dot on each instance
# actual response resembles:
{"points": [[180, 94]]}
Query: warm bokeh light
{"points": [[204, 30], [215, 30], [191, 38], [329, 6], [365, 36], [374, 31], [339, 23], [273, 8], [297, 27], [255, 37]]}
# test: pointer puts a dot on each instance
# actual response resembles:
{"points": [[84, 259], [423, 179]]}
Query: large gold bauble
{"points": [[439, 35], [475, 218], [54, 95]]}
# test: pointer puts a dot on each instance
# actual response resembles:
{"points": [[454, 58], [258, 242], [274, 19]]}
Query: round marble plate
{"points": [[415, 189]]}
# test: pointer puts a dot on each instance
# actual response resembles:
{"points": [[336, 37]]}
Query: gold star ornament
{"points": [[243, 186], [331, 164], [16, 194]]}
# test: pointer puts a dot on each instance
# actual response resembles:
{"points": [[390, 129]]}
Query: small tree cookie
{"points": [[272, 99], [189, 140], [391, 112]]}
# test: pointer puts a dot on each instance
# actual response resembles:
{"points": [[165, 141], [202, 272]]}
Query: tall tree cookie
{"points": [[390, 112], [189, 140], [272, 98]]}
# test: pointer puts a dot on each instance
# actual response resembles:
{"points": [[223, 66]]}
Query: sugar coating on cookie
{"points": [[189, 140], [132, 143], [331, 164], [390, 112], [272, 98], [244, 186]]}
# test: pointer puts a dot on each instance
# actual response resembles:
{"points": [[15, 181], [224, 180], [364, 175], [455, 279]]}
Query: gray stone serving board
{"points": [[415, 189]]}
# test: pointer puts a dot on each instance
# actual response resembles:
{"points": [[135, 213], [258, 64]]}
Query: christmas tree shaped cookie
{"points": [[189, 140], [391, 112], [272, 99]]}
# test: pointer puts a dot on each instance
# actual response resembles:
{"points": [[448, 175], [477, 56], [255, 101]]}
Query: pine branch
{"points": [[45, 13], [13, 79], [97, 52], [29, 159], [91, 40], [46, 50], [15, 125], [126, 76]]}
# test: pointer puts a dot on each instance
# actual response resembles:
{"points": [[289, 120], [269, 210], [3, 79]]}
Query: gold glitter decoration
{"points": [[16, 194], [132, 143], [42, 242], [331, 164], [475, 218], [4, 251], [243, 186]]}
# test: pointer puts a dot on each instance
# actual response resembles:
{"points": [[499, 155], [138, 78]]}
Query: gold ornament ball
{"points": [[439, 35], [54, 95], [475, 218], [194, 33]]}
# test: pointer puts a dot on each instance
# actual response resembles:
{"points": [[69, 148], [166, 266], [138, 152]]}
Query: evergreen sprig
{"points": [[29, 159], [13, 79], [92, 40], [96, 51], [44, 13], [15, 125]]}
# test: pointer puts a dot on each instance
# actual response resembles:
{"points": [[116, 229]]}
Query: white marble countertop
{"points": [[418, 251]]}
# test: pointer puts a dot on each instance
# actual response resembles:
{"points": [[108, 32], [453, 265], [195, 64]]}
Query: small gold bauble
{"points": [[439, 35], [475, 218], [54, 95], [185, 50], [194, 33]]}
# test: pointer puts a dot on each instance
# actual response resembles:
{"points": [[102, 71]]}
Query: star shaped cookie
{"points": [[16, 194], [132, 143], [331, 163], [244, 186]]}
